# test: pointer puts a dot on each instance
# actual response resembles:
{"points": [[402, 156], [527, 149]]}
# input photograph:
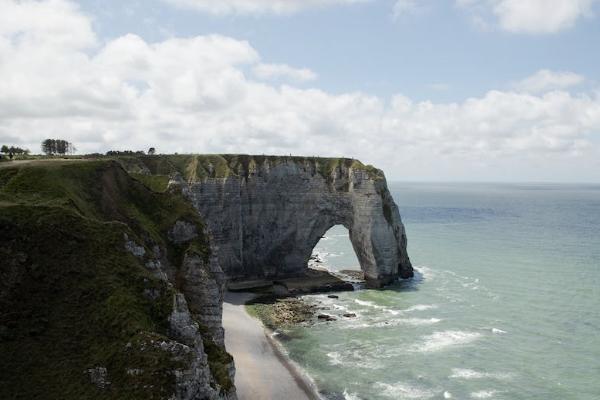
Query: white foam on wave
{"points": [[404, 391], [335, 358], [447, 395], [407, 321], [425, 272], [350, 396], [420, 307], [465, 373], [483, 394], [498, 331], [369, 304], [392, 323], [444, 339], [339, 307]]}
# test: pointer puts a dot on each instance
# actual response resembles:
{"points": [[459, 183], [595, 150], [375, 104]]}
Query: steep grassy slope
{"points": [[72, 298]]}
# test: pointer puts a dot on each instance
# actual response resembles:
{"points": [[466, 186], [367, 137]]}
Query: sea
{"points": [[505, 303]]}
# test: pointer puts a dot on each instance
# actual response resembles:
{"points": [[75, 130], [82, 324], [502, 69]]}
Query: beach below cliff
{"points": [[263, 371]]}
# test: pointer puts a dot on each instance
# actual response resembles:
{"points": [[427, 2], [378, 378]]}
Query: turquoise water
{"points": [[505, 303]]}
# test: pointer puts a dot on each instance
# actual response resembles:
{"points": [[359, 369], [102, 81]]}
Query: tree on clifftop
{"points": [[57, 146], [14, 150]]}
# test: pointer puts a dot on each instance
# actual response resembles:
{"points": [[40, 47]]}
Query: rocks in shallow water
{"points": [[282, 313], [350, 315], [354, 274], [333, 296], [326, 317]]}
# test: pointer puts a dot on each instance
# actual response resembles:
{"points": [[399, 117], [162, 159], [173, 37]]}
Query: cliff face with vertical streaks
{"points": [[266, 214]]}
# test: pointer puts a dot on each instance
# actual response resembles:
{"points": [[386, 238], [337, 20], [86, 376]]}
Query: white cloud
{"points": [[283, 71], [56, 23], [531, 16], [545, 80], [224, 7], [192, 95]]}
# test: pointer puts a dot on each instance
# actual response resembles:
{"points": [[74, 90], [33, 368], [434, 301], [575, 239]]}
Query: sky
{"points": [[427, 90]]}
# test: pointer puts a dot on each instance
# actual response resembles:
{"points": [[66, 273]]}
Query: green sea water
{"points": [[505, 303]]}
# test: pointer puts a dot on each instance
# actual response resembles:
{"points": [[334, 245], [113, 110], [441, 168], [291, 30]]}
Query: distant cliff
{"points": [[267, 213]]}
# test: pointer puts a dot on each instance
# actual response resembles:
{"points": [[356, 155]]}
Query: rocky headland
{"points": [[114, 270]]}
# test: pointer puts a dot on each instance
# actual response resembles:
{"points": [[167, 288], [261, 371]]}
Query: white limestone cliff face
{"points": [[266, 214]]}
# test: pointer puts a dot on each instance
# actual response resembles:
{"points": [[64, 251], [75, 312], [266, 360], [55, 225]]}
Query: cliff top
{"points": [[196, 167]]}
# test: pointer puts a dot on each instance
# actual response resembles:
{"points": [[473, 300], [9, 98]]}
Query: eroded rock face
{"points": [[267, 217], [203, 285], [195, 381]]}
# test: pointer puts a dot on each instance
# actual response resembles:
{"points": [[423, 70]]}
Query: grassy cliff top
{"points": [[72, 298], [195, 167]]}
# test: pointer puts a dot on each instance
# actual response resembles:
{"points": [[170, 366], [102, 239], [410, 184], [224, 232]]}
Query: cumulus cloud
{"points": [[223, 7], [193, 95], [545, 80], [531, 16], [283, 71]]}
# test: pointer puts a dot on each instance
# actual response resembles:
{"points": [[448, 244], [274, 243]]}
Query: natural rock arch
{"points": [[268, 213]]}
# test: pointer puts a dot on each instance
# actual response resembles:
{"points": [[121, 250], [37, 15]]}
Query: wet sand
{"points": [[262, 371]]}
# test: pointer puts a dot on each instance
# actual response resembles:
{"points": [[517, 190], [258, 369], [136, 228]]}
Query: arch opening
{"points": [[335, 254]]}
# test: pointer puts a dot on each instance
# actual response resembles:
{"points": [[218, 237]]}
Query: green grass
{"points": [[71, 297], [157, 183], [195, 167]]}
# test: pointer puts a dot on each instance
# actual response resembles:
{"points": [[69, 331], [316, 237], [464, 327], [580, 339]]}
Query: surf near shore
{"points": [[252, 313]]}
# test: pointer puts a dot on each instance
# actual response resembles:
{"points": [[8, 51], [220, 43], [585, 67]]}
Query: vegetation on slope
{"points": [[72, 299], [195, 168]]}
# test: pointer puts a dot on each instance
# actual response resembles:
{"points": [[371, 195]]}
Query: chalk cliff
{"points": [[267, 213], [113, 270]]}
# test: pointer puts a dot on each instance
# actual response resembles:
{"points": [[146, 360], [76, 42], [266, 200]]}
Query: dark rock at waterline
{"points": [[333, 296], [326, 317], [350, 315]]}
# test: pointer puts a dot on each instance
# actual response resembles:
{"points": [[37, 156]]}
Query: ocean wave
{"points": [[354, 359], [369, 304], [444, 339], [423, 273], [335, 358], [404, 391], [483, 394], [350, 396], [407, 321], [420, 307], [465, 373], [391, 323]]}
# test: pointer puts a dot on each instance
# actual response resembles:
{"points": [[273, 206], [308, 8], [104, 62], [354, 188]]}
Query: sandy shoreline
{"points": [[263, 371]]}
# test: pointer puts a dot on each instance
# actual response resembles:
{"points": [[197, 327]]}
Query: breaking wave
{"points": [[445, 339]]}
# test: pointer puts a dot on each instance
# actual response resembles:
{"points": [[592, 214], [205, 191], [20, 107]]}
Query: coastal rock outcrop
{"points": [[266, 214]]}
